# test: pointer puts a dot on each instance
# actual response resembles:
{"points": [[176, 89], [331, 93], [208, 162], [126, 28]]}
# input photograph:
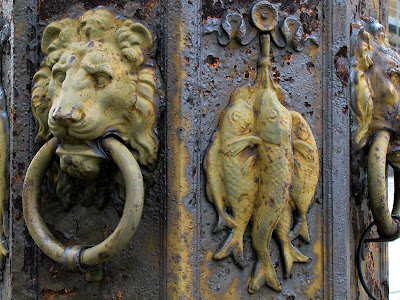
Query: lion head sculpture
{"points": [[375, 78], [93, 82], [375, 95]]}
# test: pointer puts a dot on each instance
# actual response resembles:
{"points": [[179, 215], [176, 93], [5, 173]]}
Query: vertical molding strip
{"points": [[336, 154], [25, 255], [182, 42], [7, 82]]}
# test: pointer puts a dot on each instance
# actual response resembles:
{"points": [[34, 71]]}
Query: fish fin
{"points": [[232, 148], [232, 245], [290, 256], [263, 275], [303, 148], [248, 165]]}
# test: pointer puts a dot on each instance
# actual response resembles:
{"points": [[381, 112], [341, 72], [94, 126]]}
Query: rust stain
{"points": [[206, 273], [19, 30], [341, 62], [310, 66], [48, 294], [287, 58], [147, 9], [231, 291], [212, 61], [120, 295], [370, 263]]}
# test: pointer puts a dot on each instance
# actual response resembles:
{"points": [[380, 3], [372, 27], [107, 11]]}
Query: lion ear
{"points": [[363, 49], [143, 36], [50, 37], [58, 35], [133, 39], [366, 37]]}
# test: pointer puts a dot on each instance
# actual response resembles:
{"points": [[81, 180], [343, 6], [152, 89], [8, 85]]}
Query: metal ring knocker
{"points": [[80, 257], [375, 240]]}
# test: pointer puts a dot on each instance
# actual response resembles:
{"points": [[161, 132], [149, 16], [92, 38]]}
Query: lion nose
{"points": [[72, 116]]}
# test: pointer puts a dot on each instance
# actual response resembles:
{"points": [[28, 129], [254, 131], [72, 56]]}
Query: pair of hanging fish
{"points": [[262, 164]]}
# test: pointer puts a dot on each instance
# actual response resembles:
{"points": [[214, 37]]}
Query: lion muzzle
{"points": [[80, 161]]}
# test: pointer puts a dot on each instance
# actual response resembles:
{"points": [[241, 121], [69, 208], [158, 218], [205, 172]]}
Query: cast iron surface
{"points": [[198, 75]]}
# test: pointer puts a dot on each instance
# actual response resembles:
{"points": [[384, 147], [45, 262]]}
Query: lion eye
{"points": [[59, 77], [101, 80]]}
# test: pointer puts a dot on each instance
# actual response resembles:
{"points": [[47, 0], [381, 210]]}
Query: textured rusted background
{"points": [[171, 254]]}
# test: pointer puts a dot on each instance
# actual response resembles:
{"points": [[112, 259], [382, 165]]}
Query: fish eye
{"points": [[272, 114]]}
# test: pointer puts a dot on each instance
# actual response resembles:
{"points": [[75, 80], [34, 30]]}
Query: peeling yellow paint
{"points": [[206, 272], [313, 50], [180, 228], [231, 291], [19, 30], [316, 285]]}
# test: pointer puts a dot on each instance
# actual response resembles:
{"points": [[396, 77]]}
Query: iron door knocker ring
{"points": [[80, 257], [373, 240]]}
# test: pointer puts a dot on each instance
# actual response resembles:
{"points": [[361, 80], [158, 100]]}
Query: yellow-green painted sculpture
{"points": [[94, 95], [375, 94], [92, 82], [262, 164]]}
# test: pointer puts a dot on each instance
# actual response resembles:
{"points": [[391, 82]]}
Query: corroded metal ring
{"points": [[264, 15], [72, 258], [78, 257], [373, 240], [377, 188]]}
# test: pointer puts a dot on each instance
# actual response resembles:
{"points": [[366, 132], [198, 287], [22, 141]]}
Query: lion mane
{"points": [[370, 54]]}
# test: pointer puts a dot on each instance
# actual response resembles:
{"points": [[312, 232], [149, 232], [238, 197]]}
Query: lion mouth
{"points": [[80, 160], [80, 149]]}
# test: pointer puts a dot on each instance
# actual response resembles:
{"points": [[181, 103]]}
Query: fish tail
{"points": [[303, 231], [263, 275], [232, 245], [292, 255]]}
